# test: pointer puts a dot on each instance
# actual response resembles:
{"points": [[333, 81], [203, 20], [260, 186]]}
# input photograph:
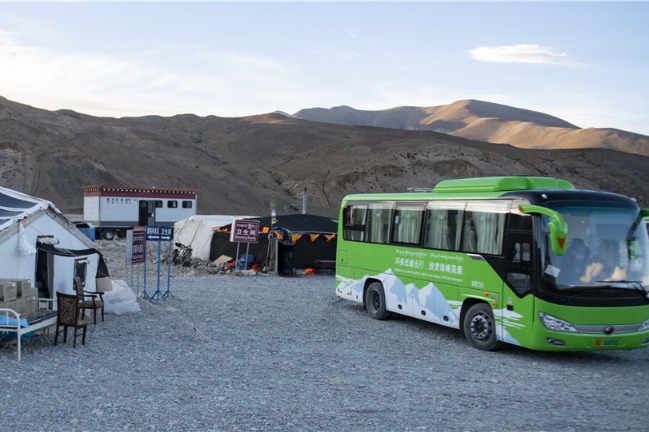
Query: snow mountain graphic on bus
{"points": [[529, 261], [428, 301]]}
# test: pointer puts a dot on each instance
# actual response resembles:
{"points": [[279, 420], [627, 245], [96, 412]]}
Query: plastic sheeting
{"points": [[121, 299]]}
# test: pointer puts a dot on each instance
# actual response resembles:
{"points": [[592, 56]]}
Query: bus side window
{"points": [[354, 222], [483, 232], [469, 236], [378, 222], [522, 252], [442, 229], [407, 224]]}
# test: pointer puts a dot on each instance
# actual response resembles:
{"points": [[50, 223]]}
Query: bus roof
{"points": [[501, 184], [475, 188]]}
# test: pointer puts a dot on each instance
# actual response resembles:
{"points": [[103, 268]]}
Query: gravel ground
{"points": [[264, 353]]}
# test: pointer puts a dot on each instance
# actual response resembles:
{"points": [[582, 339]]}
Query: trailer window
{"points": [[187, 204], [158, 203], [172, 204]]}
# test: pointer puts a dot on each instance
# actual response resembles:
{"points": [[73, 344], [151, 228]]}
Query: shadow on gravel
{"points": [[442, 334]]}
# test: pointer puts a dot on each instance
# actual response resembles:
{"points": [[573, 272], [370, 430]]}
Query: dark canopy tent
{"points": [[308, 238]]}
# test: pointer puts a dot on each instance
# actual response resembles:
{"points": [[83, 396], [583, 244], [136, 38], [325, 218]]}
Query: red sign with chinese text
{"points": [[244, 231]]}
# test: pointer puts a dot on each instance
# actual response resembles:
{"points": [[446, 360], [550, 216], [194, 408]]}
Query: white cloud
{"points": [[195, 79], [523, 53]]}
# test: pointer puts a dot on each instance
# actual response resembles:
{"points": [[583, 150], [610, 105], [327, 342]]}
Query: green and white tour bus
{"points": [[529, 261]]}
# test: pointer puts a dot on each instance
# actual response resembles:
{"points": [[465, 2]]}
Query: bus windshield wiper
{"points": [[637, 285], [578, 291]]}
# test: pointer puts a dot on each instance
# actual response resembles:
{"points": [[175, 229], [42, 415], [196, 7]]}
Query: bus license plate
{"points": [[606, 342]]}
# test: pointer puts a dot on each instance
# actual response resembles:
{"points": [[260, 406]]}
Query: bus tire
{"points": [[479, 328], [108, 234], [375, 302]]}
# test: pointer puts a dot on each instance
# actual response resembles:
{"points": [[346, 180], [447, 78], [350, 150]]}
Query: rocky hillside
{"points": [[252, 164]]}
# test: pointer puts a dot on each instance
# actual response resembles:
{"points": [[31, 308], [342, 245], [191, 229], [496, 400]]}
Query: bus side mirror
{"points": [[558, 226]]}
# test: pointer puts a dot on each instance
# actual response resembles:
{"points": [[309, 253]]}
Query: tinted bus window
{"points": [[354, 222], [407, 223], [484, 225], [378, 222], [443, 225]]}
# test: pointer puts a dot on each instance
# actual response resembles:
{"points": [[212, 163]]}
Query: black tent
{"points": [[300, 240]]}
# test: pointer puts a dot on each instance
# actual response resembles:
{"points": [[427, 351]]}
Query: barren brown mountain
{"points": [[252, 164], [489, 122]]}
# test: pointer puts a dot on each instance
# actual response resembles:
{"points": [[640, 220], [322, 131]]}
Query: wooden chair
{"points": [[69, 315], [89, 300]]}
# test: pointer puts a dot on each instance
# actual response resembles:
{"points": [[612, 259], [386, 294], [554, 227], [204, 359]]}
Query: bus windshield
{"points": [[607, 247]]}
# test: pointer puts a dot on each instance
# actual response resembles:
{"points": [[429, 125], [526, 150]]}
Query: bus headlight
{"points": [[556, 324], [644, 326]]}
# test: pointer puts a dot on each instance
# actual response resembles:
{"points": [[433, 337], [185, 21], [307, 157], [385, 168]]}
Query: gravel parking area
{"points": [[264, 353]]}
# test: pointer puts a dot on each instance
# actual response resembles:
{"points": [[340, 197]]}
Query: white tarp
{"points": [[120, 299], [196, 232]]}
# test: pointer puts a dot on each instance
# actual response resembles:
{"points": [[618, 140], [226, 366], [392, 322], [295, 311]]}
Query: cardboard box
{"points": [[30, 292], [27, 305], [221, 260], [32, 306], [8, 291], [23, 287], [21, 305], [9, 304]]}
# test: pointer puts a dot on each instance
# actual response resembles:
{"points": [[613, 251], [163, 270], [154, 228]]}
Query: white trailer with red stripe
{"points": [[114, 209]]}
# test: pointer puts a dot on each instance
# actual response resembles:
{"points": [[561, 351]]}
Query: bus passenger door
{"points": [[517, 304]]}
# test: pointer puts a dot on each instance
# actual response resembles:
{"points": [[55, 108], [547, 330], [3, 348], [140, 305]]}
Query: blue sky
{"points": [[587, 63]]}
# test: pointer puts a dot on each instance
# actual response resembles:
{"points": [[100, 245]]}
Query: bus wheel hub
{"points": [[480, 327]]}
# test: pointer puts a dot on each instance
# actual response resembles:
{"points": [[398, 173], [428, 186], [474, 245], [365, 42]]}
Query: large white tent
{"points": [[39, 244], [196, 232]]}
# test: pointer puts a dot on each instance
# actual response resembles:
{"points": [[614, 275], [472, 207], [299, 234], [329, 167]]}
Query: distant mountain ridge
{"points": [[250, 165], [488, 122]]}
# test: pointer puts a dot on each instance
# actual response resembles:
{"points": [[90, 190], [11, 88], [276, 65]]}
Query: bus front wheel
{"points": [[479, 327], [375, 302]]}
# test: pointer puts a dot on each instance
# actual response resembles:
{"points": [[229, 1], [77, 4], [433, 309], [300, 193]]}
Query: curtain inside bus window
{"points": [[489, 230], [407, 223], [470, 237], [379, 222], [484, 226], [442, 225]]}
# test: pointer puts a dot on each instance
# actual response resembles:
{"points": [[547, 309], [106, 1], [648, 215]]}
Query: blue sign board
{"points": [[154, 232]]}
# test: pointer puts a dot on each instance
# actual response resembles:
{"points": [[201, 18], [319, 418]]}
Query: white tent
{"points": [[196, 232], [39, 244]]}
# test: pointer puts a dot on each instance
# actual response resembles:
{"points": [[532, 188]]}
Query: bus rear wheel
{"points": [[479, 328], [375, 302]]}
